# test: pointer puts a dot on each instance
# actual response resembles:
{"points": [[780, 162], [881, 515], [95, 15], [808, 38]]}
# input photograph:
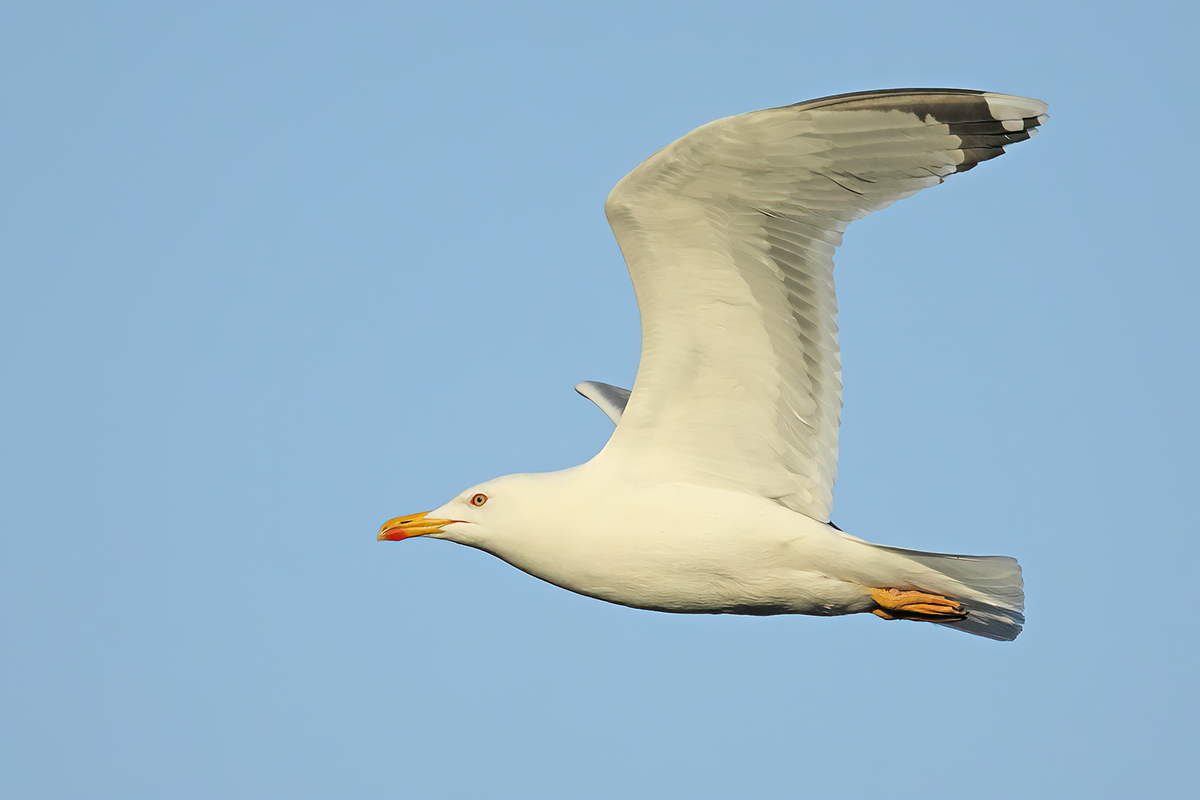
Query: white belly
{"points": [[683, 548]]}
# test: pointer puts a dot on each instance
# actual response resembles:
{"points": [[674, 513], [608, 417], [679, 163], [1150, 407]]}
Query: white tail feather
{"points": [[990, 587]]}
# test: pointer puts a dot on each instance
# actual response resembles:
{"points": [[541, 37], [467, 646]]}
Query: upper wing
{"points": [[610, 399], [729, 236]]}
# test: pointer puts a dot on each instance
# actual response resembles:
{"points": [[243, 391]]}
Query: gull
{"points": [[714, 491]]}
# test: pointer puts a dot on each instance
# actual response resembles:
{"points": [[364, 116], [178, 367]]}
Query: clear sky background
{"points": [[275, 273]]}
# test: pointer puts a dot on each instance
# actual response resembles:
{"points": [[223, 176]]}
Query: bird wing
{"points": [[729, 235], [610, 399]]}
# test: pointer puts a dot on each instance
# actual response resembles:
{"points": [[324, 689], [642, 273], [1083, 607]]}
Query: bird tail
{"points": [[990, 587]]}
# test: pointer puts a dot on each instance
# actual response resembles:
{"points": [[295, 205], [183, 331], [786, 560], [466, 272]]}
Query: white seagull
{"points": [[713, 493]]}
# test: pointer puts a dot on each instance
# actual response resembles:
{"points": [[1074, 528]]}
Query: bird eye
{"points": [[479, 499]]}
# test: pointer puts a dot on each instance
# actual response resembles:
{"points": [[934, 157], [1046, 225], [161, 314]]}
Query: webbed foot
{"points": [[913, 604]]}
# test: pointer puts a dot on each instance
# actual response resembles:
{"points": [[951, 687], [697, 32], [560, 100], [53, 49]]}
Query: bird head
{"points": [[498, 509], [453, 521], [510, 517]]}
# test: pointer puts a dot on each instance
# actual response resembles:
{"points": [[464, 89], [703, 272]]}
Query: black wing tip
{"points": [[883, 95], [850, 97], [985, 122], [948, 106]]}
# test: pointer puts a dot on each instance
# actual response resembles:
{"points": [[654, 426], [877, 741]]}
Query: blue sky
{"points": [[274, 273]]}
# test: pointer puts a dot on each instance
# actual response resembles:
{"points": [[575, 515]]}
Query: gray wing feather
{"points": [[610, 399]]}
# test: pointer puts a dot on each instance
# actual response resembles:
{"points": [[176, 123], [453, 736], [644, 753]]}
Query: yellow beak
{"points": [[401, 528]]}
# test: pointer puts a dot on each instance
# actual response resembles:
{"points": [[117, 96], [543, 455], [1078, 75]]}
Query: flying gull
{"points": [[714, 492]]}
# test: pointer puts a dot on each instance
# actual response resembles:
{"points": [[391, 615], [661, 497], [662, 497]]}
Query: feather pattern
{"points": [[729, 235]]}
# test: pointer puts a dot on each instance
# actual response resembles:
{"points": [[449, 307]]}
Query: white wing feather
{"points": [[729, 236]]}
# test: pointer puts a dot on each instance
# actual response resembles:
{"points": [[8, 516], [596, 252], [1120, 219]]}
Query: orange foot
{"points": [[911, 604]]}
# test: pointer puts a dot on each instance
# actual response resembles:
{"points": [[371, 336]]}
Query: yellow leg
{"points": [[912, 604]]}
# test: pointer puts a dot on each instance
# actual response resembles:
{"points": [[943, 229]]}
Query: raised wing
{"points": [[610, 399], [729, 236]]}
